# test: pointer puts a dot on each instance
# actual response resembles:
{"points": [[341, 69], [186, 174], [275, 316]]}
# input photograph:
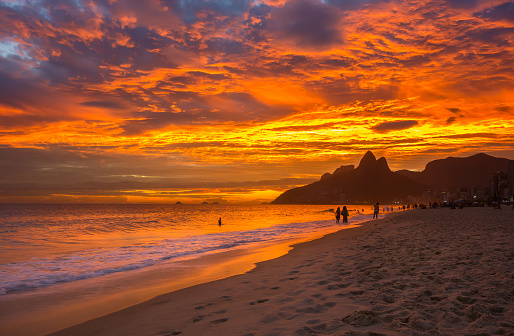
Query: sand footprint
{"points": [[316, 309], [361, 318], [221, 320], [338, 286], [259, 301], [283, 314], [318, 328]]}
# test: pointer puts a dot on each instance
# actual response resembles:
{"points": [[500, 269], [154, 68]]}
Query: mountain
{"points": [[372, 181], [339, 170], [450, 173]]}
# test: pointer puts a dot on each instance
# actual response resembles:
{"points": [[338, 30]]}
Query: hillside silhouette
{"points": [[452, 172], [372, 181]]}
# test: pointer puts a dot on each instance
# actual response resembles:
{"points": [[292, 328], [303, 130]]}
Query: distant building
{"points": [[500, 182], [510, 178], [480, 193], [487, 191], [473, 191]]}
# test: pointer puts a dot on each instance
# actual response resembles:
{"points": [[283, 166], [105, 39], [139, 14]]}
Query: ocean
{"points": [[89, 250]]}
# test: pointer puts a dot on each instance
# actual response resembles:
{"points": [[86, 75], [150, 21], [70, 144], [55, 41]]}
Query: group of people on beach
{"points": [[343, 213]]}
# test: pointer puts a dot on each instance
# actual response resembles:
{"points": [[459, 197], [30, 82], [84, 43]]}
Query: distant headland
{"points": [[475, 178]]}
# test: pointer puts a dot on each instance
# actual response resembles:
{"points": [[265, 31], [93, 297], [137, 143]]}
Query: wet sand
{"points": [[420, 272], [37, 313]]}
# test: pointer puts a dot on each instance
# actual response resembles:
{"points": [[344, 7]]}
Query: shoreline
{"points": [[53, 308], [429, 271]]}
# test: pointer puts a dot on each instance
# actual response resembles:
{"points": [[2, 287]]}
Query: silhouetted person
{"points": [[338, 214], [219, 221], [376, 211], [345, 215]]}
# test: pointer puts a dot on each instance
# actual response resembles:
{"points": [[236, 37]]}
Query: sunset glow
{"points": [[191, 101]]}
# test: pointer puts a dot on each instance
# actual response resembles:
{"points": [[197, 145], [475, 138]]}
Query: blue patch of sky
{"points": [[11, 48], [33, 4]]}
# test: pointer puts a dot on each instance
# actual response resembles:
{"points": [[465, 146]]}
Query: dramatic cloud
{"points": [[308, 23], [110, 104], [504, 11], [394, 126], [193, 10], [451, 120], [462, 3], [130, 95]]}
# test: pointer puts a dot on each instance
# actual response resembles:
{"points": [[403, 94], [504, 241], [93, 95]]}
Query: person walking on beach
{"points": [[338, 214], [345, 215], [219, 221], [375, 212]]}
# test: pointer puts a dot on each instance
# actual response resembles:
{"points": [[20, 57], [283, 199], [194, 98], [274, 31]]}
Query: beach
{"points": [[419, 272], [62, 265]]}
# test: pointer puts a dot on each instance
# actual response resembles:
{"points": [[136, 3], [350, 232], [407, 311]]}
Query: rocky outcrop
{"points": [[372, 181], [342, 169]]}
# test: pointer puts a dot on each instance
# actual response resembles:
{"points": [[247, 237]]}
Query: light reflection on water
{"points": [[44, 245]]}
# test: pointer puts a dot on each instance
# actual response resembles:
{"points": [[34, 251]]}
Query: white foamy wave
{"points": [[86, 264]]}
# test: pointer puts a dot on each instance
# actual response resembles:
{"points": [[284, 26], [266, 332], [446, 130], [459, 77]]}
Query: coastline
{"points": [[418, 272], [53, 308]]}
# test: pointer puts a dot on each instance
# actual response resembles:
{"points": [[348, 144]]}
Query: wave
{"points": [[42, 272]]}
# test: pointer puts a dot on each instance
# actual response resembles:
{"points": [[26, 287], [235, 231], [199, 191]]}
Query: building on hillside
{"points": [[510, 177], [487, 191], [500, 183]]}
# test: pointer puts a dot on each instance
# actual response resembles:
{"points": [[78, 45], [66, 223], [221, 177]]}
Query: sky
{"points": [[111, 101]]}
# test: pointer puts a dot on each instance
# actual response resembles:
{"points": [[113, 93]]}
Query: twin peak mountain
{"points": [[372, 181]]}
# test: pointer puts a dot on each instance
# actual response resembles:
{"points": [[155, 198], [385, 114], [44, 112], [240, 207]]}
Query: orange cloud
{"points": [[236, 92]]}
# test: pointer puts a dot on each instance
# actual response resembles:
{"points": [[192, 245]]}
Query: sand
{"points": [[419, 272]]}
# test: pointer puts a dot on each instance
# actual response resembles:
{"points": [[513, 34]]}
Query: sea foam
{"points": [[38, 272]]}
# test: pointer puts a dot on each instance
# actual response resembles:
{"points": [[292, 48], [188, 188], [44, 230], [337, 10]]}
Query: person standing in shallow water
{"points": [[345, 214], [338, 214], [219, 221], [376, 210]]}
